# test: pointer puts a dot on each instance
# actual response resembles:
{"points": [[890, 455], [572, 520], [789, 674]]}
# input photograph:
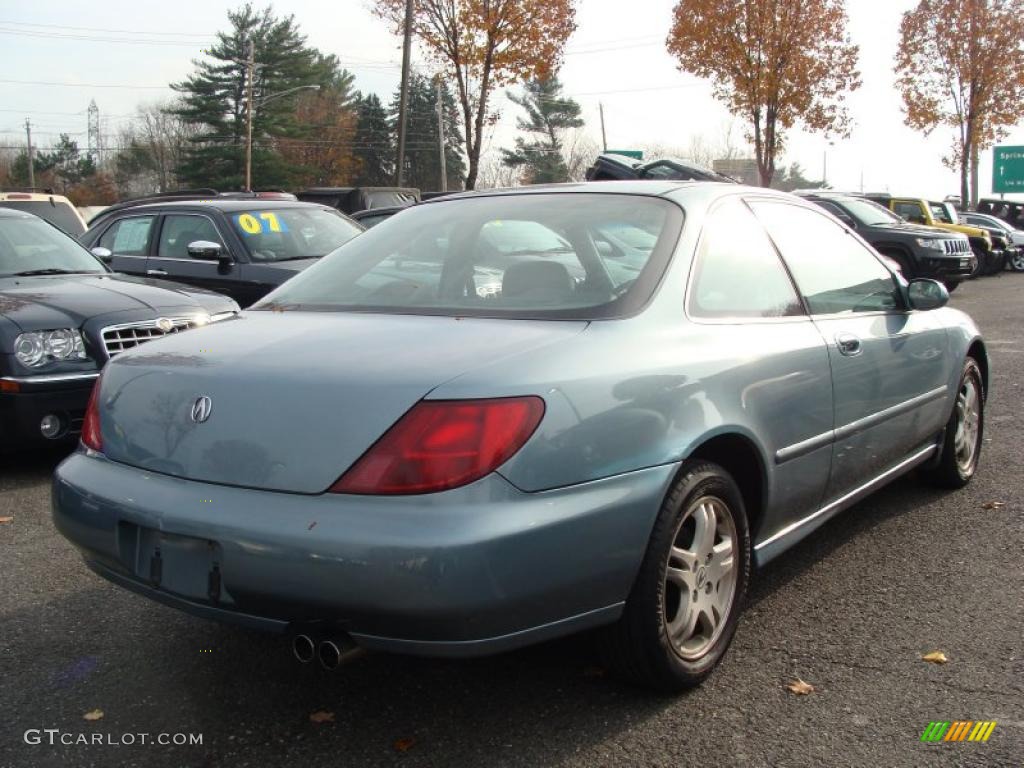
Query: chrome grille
{"points": [[118, 338], [956, 246]]}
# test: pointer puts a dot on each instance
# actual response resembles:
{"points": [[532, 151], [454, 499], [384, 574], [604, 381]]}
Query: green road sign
{"points": [[636, 154], [1008, 169]]}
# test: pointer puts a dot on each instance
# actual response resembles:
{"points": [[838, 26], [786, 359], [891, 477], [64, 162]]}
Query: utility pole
{"points": [[403, 100], [250, 76], [440, 136], [31, 169], [604, 138]]}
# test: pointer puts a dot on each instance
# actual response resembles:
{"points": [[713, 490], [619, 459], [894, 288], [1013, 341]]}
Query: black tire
{"points": [[981, 259], [951, 285], [638, 647], [948, 471], [906, 265]]}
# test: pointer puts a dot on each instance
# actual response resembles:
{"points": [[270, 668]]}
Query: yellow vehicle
{"points": [[932, 214]]}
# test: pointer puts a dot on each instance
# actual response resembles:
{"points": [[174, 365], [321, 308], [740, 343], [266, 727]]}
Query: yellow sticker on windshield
{"points": [[260, 223]]}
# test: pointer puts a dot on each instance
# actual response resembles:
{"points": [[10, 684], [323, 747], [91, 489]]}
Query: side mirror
{"points": [[927, 294], [207, 251], [103, 254]]}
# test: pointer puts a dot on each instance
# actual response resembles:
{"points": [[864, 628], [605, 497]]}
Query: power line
{"points": [[88, 85], [93, 39], [97, 29]]}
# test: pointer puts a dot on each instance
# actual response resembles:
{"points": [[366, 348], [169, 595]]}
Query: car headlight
{"points": [[41, 347], [932, 243], [223, 315]]}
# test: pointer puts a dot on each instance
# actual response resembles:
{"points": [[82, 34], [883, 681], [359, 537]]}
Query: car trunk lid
{"points": [[295, 398]]}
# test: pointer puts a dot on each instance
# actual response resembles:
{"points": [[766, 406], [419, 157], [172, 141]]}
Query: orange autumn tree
{"points": [[483, 45], [778, 63], [961, 64]]}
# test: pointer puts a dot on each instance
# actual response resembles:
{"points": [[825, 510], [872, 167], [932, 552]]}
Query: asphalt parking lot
{"points": [[851, 610]]}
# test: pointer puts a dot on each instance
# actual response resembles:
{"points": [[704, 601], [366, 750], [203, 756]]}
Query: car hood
{"points": [[67, 301], [293, 265], [296, 397], [916, 229]]}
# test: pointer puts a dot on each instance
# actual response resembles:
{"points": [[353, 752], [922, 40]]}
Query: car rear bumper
{"points": [[36, 397], [476, 570]]}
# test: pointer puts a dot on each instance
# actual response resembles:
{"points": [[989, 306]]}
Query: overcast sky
{"points": [[616, 57]]}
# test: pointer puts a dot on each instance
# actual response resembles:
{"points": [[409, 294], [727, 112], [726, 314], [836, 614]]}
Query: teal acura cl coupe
{"points": [[502, 417]]}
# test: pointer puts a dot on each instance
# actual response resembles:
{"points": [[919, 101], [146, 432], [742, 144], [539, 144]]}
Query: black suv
{"points": [[918, 251], [243, 248]]}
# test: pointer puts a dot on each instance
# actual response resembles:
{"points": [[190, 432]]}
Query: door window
{"points": [[910, 212], [180, 230], [738, 272], [835, 272], [128, 237]]}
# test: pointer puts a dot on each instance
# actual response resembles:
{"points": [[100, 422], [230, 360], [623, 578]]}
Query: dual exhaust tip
{"points": [[331, 651]]}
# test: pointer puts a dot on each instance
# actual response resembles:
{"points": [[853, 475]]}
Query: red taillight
{"points": [[91, 434], [442, 444]]}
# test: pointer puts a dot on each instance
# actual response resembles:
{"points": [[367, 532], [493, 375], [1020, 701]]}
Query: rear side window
{"points": [[128, 237], [179, 230], [60, 214], [738, 272], [836, 273]]}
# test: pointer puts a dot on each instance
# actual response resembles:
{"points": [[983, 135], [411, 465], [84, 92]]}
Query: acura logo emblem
{"points": [[164, 324], [201, 409]]}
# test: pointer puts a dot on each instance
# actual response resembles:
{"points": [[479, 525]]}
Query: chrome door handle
{"points": [[848, 344], [155, 272]]}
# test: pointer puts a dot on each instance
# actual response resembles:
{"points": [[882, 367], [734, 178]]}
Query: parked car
{"points": [[396, 460], [1015, 248], [1009, 211], [63, 315], [351, 200], [611, 166], [373, 216], [55, 209], [917, 251], [935, 214], [242, 248]]}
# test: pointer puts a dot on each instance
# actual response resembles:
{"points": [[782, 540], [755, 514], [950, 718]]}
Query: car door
{"points": [[748, 310], [171, 261], [890, 366], [128, 239]]}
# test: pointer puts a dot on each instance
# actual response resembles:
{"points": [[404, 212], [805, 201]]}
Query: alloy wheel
{"points": [[700, 578], [968, 418]]}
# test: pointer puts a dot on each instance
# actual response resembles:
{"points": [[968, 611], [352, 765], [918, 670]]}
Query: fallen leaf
{"points": [[935, 657], [96, 714], [8, 519], [993, 504], [799, 687], [404, 745], [321, 717]]}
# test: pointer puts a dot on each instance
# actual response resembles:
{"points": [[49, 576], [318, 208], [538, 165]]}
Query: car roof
{"points": [[15, 195], [644, 187], [219, 205]]}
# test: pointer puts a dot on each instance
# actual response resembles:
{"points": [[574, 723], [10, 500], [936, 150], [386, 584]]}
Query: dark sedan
{"points": [[241, 248], [63, 314]]}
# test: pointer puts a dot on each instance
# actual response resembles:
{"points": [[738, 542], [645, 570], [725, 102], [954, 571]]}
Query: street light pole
{"points": [[31, 165], [440, 136], [250, 70]]}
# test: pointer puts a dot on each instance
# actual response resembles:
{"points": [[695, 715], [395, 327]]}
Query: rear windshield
{"points": [[61, 215], [531, 255], [287, 234]]}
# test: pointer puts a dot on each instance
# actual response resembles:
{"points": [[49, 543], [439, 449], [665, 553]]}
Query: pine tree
{"points": [[422, 158], [214, 99], [549, 114], [373, 148]]}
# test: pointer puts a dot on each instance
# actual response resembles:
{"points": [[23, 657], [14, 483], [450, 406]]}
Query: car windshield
{"points": [[868, 213], [528, 255], [986, 221], [58, 213], [941, 213], [29, 245], [287, 234]]}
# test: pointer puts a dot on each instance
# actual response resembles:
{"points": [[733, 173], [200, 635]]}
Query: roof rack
{"points": [[31, 190]]}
